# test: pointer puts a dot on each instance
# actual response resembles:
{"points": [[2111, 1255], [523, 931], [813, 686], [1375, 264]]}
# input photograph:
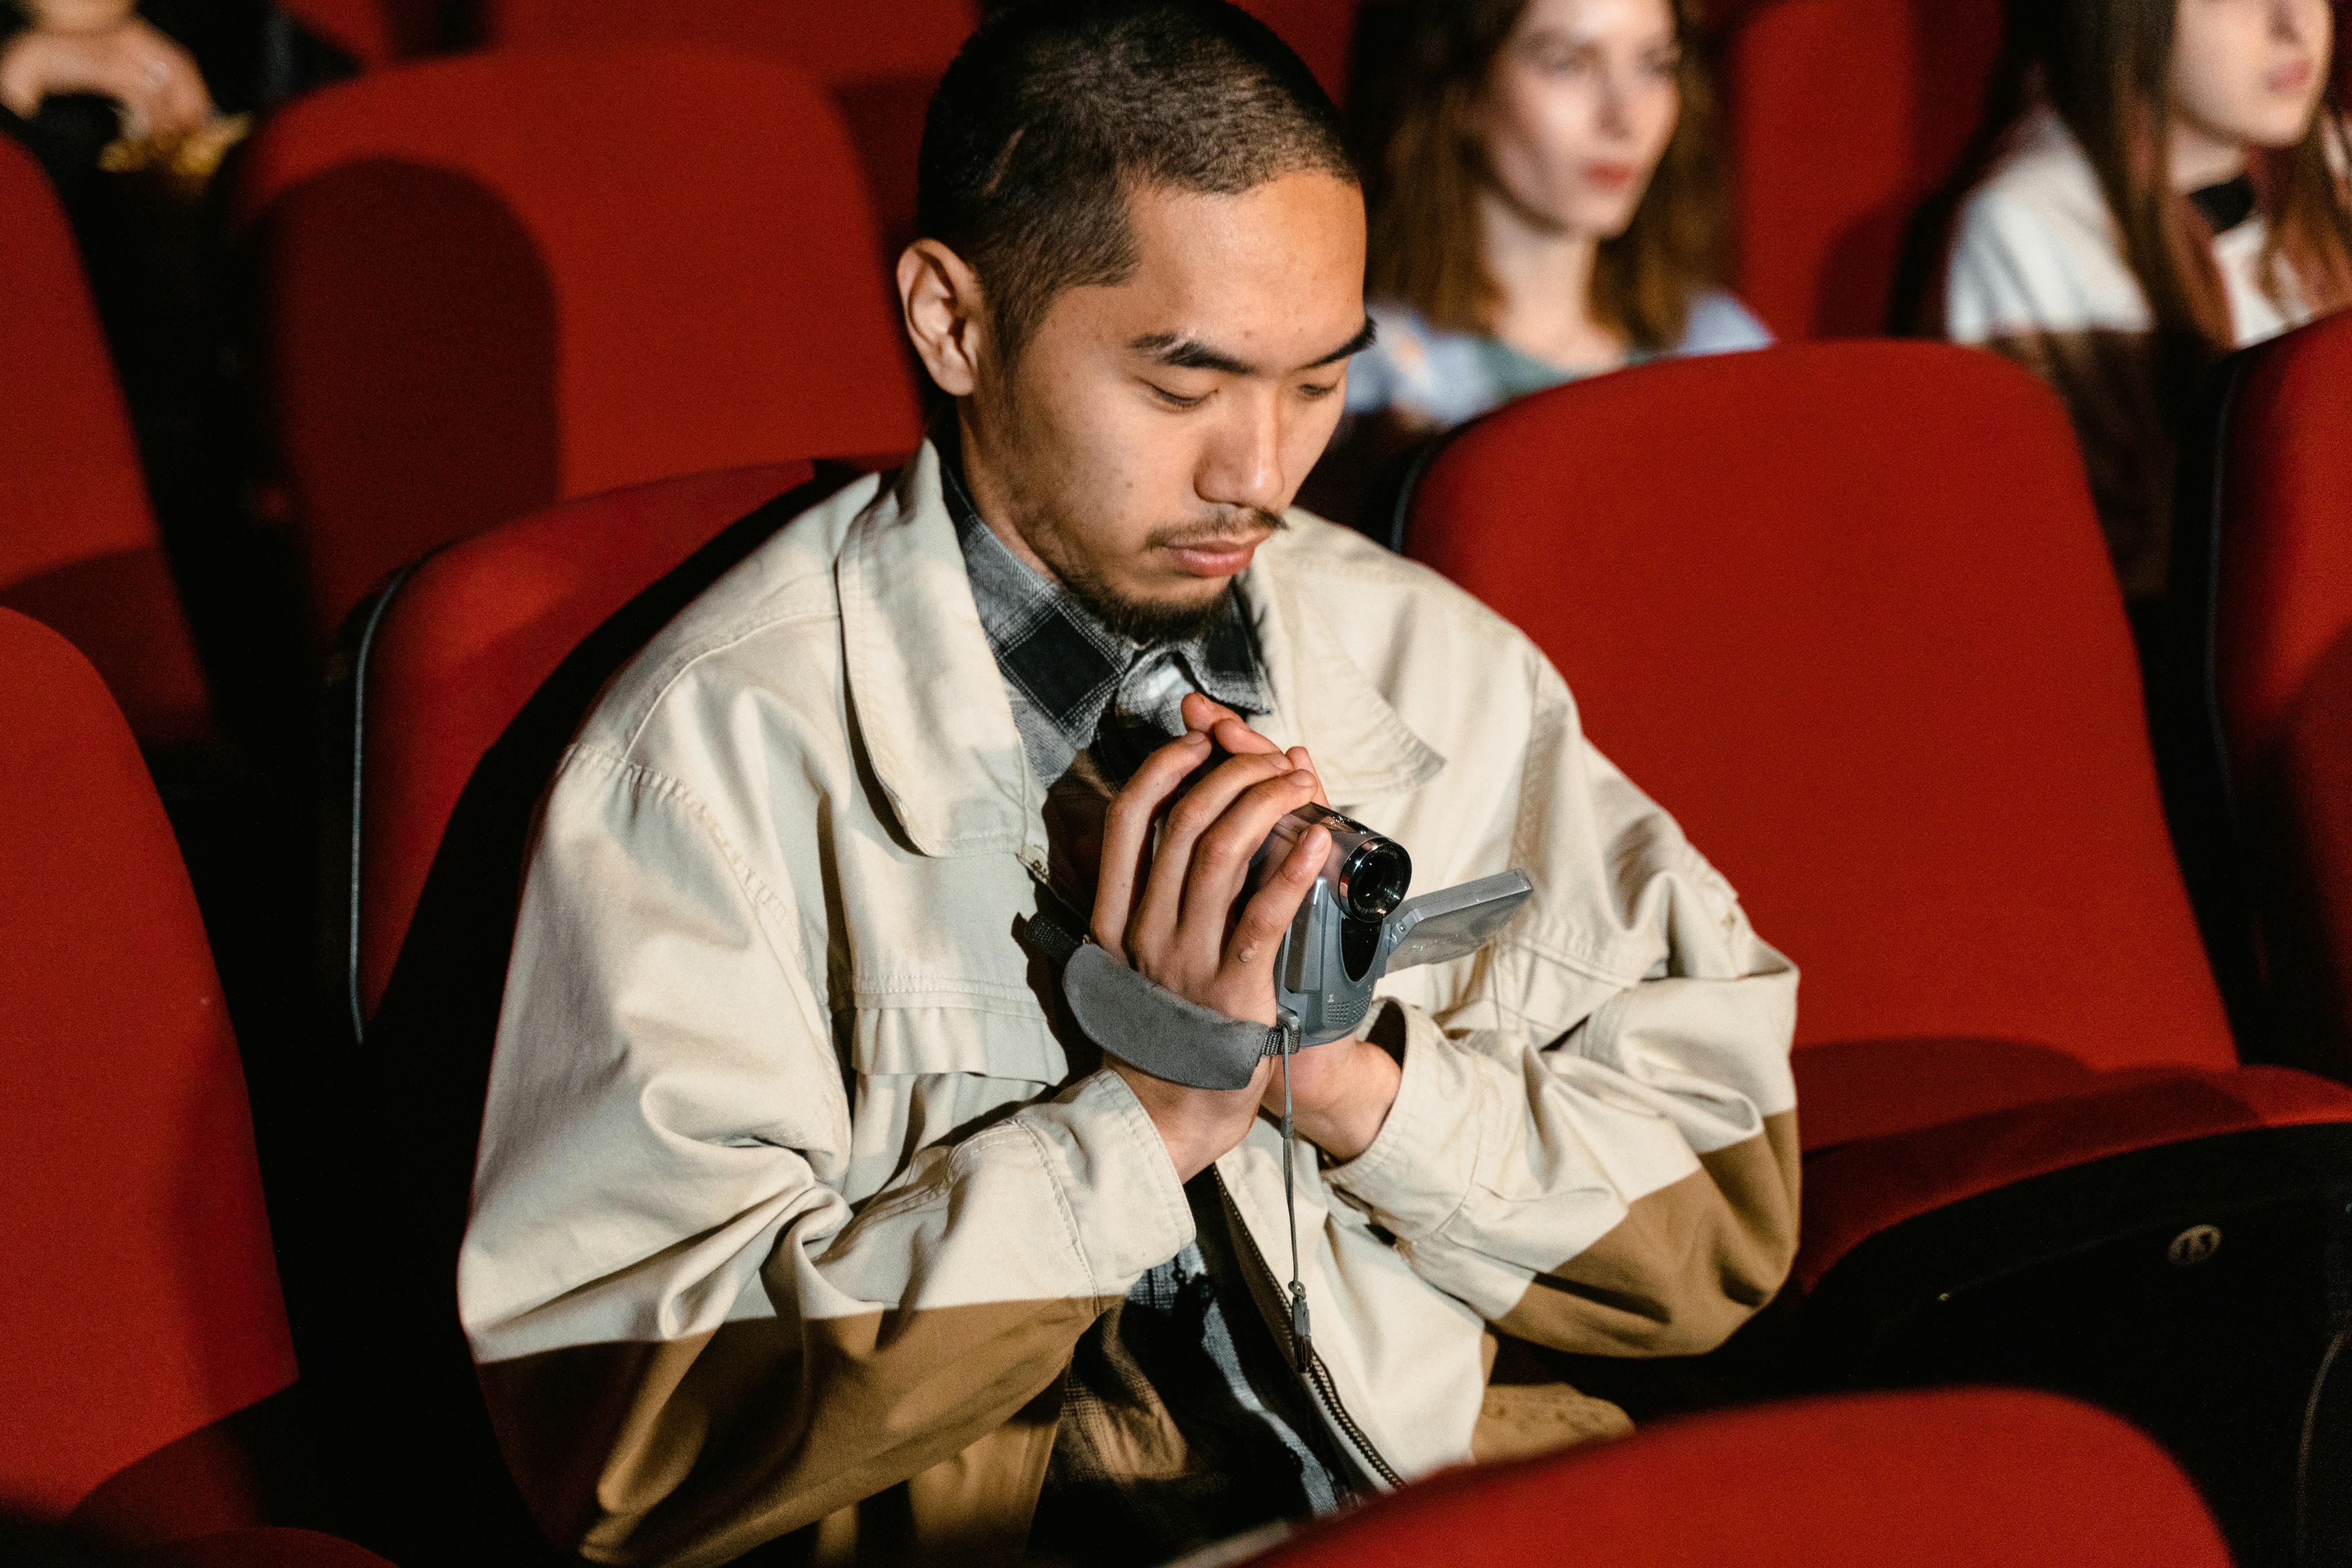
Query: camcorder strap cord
{"points": [[1289, 1028]]}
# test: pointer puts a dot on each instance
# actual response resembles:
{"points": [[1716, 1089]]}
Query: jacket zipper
{"points": [[1309, 1367]]}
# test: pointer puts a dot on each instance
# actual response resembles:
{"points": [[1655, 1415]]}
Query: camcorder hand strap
{"points": [[1145, 1024], [1302, 1345]]}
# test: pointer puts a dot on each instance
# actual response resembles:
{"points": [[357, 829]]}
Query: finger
{"points": [[1127, 835], [1221, 860], [1204, 713], [1162, 900], [1257, 935], [1299, 759]]}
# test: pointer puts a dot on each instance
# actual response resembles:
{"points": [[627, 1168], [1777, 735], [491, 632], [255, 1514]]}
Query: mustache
{"points": [[1238, 524]]}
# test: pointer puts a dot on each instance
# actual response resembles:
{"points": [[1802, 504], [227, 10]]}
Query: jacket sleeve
{"points": [[1594, 1143], [691, 1339]]}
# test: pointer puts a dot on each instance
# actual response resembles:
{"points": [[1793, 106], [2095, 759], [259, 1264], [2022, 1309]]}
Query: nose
{"points": [[2292, 21], [1613, 115], [1242, 464]]}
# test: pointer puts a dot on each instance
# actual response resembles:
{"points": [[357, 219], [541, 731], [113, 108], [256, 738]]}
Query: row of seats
{"points": [[461, 312], [1890, 688]]}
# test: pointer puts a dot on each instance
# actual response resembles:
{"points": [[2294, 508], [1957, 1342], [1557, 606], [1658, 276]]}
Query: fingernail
{"points": [[1303, 779]]}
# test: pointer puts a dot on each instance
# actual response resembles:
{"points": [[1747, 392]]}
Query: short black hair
{"points": [[1053, 109]]}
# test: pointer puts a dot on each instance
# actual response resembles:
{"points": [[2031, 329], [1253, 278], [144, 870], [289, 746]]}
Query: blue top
{"points": [[1448, 377]]}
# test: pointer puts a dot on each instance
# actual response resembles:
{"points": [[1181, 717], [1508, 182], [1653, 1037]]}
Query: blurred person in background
{"points": [[2159, 182], [1547, 202]]}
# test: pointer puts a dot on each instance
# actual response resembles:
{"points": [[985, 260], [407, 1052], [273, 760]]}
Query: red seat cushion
{"points": [[79, 548], [1843, 113], [496, 282], [136, 1276], [1980, 1479], [1864, 1186], [1843, 609]]}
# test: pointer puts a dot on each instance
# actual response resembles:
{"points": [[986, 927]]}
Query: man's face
{"points": [[1150, 435]]}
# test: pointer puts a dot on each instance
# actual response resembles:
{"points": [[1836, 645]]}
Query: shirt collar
{"points": [[1067, 666], [931, 713]]}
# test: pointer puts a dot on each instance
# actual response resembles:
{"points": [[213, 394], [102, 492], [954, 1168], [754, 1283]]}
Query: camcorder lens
{"points": [[1374, 879]]}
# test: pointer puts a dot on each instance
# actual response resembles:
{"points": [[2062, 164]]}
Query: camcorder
{"points": [[1356, 923], [1355, 926]]}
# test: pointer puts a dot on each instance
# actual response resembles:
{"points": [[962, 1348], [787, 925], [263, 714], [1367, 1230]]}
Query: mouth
{"points": [[2288, 80], [1226, 557], [1609, 176]]}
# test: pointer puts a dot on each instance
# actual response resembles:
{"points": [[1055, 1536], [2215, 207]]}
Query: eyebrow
{"points": [[1178, 352]]}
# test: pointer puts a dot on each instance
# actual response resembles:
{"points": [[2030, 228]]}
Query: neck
{"points": [[1544, 273], [2201, 157]]}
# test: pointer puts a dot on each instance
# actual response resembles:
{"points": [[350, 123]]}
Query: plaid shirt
{"points": [[1187, 1348], [1066, 670]]}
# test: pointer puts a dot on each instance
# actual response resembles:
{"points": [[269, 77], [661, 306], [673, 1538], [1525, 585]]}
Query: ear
{"points": [[940, 298]]}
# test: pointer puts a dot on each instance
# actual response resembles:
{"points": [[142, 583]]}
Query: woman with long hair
{"points": [[2164, 183], [1547, 201]]}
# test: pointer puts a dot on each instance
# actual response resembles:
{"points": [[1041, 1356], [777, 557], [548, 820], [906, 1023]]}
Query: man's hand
{"points": [[1169, 910], [1341, 1093], [153, 77]]}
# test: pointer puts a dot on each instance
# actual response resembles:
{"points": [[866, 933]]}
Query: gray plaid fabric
{"points": [[1066, 670], [1171, 1355]]}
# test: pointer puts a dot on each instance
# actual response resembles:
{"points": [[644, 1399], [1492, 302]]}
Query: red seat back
{"points": [[1843, 609], [79, 548], [2281, 667], [496, 282], [1843, 114], [1982, 1478], [880, 77], [136, 1278], [372, 32], [1322, 31], [451, 656]]}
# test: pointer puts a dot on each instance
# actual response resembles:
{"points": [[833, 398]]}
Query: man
{"points": [[803, 1205]]}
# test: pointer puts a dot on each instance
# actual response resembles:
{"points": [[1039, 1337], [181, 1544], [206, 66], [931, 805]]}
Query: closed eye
{"points": [[1175, 400]]}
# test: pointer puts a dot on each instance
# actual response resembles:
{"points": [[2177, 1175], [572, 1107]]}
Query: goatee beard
{"points": [[1142, 621]]}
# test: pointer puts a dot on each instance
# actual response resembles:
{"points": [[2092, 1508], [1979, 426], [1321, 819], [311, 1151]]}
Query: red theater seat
{"points": [[146, 1367], [1983, 1479], [881, 76], [1843, 115], [459, 687], [1843, 609], [491, 283], [2264, 556], [79, 548]]}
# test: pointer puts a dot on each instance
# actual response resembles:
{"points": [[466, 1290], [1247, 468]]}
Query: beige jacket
{"points": [[792, 1200]]}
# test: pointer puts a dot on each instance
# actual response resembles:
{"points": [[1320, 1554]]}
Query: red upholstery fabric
{"points": [[2285, 579], [495, 281], [2282, 671], [881, 78], [136, 1279], [472, 633], [78, 549], [1843, 114], [1981, 1478], [1842, 608], [835, 44], [1321, 30], [1856, 1189], [372, 32]]}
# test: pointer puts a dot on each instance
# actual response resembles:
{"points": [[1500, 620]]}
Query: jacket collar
{"points": [[935, 724]]}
